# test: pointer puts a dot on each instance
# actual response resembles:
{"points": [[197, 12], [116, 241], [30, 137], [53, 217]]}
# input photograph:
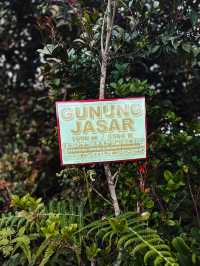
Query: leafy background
{"points": [[50, 50]]}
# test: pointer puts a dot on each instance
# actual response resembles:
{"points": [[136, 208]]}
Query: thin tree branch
{"points": [[101, 196], [110, 17], [105, 52], [102, 34], [112, 190], [109, 20], [109, 29]]}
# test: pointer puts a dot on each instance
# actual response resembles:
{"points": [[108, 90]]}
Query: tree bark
{"points": [[103, 77], [111, 186], [108, 21]]}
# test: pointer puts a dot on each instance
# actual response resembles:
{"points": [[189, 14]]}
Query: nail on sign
{"points": [[101, 130]]}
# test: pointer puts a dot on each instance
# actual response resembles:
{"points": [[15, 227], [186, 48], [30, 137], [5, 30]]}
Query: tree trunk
{"points": [[107, 24], [111, 178], [103, 77], [111, 186]]}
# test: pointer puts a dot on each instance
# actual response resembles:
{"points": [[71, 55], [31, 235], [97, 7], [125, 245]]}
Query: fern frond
{"points": [[134, 236], [98, 226], [130, 241], [6, 232], [139, 247], [162, 246], [166, 253], [94, 225], [125, 238], [139, 226], [103, 231], [20, 222], [4, 242], [23, 242], [129, 215], [110, 239], [40, 250], [149, 255], [48, 253], [156, 240], [160, 258], [106, 236], [158, 261], [8, 220]]}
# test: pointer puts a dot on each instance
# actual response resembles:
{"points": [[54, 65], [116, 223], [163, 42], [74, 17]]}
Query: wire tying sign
{"points": [[101, 130]]}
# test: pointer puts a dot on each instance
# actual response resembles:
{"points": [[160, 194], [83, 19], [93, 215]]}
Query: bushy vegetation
{"points": [[51, 50]]}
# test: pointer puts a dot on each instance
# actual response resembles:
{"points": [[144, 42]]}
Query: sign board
{"points": [[101, 130]]}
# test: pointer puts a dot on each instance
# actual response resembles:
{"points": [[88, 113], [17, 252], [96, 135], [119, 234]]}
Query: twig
{"points": [[157, 199], [100, 195], [116, 180], [115, 175]]}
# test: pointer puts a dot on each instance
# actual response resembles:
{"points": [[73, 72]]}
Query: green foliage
{"points": [[187, 254], [53, 227], [174, 181], [136, 87], [127, 233], [184, 252], [50, 50], [92, 251]]}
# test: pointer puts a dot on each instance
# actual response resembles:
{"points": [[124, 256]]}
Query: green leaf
{"points": [[23, 242], [56, 82], [92, 251], [118, 225], [125, 238], [195, 51], [155, 49], [181, 246], [158, 261], [149, 255], [21, 231], [168, 175], [4, 242], [48, 253], [194, 258], [162, 247], [113, 85], [48, 49], [187, 47], [139, 247], [171, 222], [40, 249], [194, 17]]}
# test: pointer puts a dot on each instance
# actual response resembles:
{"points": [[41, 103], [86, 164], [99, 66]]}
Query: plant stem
{"points": [[92, 262], [108, 21], [111, 186], [103, 77], [88, 191]]}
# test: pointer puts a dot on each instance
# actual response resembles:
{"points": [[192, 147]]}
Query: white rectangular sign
{"points": [[101, 130]]}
